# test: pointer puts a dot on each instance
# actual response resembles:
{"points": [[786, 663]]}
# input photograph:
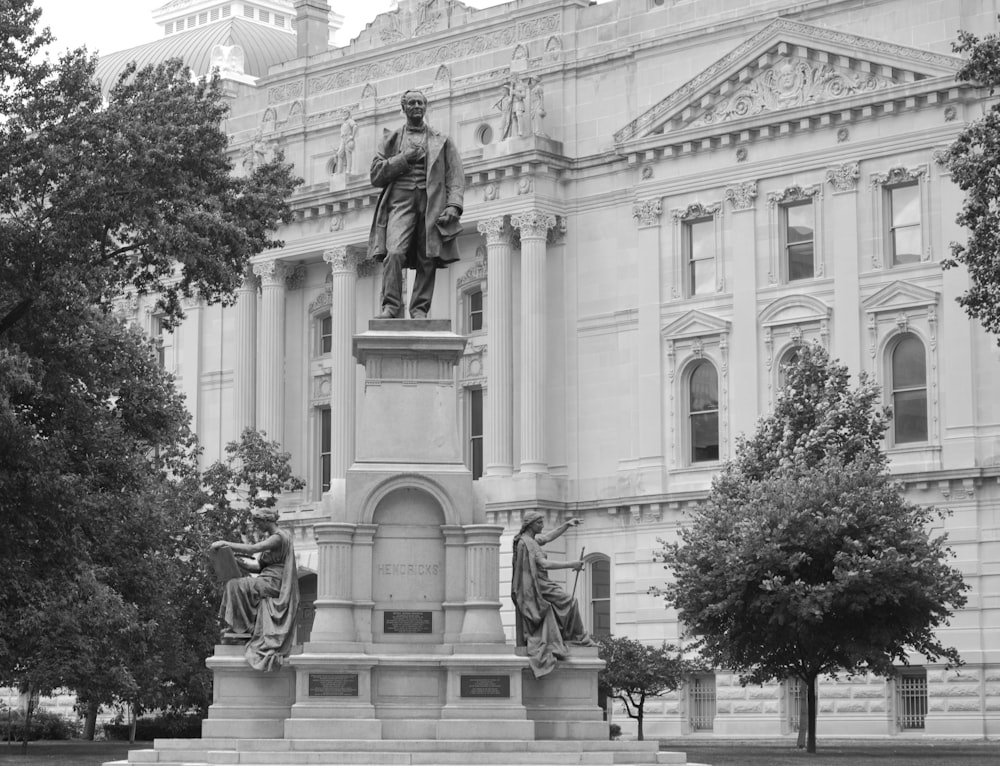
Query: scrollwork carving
{"points": [[533, 224], [844, 177], [647, 212]]}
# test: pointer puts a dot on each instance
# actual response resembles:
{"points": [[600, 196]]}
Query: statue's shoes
{"points": [[586, 641], [418, 315], [387, 314]]}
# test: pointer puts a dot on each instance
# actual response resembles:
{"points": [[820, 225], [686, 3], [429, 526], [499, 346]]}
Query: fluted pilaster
{"points": [[334, 619], [245, 367], [271, 349], [343, 310], [534, 226], [499, 437], [482, 575]]}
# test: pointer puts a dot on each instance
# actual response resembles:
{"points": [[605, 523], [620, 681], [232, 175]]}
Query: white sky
{"points": [[106, 26]]}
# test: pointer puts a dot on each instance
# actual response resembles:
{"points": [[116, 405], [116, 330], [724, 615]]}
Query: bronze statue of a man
{"points": [[417, 216]]}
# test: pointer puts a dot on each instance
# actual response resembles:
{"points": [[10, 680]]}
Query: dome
{"points": [[262, 47]]}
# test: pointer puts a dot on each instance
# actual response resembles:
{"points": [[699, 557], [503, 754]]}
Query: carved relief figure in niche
{"points": [[547, 616], [261, 608], [345, 152], [417, 215]]}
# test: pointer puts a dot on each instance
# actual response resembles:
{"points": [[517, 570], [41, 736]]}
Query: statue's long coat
{"points": [[445, 186]]}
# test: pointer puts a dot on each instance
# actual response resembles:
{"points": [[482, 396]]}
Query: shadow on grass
{"points": [[839, 753], [73, 752]]}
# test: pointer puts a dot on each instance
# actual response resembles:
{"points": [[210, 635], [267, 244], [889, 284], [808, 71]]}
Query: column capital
{"points": [[346, 259], [271, 273], [647, 211], [741, 195], [495, 230], [533, 224]]}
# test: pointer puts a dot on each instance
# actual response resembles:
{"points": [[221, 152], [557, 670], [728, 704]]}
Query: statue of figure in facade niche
{"points": [[417, 215], [348, 143], [512, 106], [536, 94], [546, 615], [260, 602], [255, 154]]}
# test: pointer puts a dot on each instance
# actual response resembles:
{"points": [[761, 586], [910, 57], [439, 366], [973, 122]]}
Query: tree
{"points": [[973, 159], [806, 560], [100, 201], [635, 671]]}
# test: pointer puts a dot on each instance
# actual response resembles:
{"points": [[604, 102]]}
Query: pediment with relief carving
{"points": [[786, 66], [900, 295], [414, 18]]}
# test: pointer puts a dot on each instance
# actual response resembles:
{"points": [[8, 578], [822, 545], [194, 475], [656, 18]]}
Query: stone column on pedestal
{"points": [[245, 367], [499, 439], [534, 226], [482, 599], [334, 619], [343, 310], [271, 345]]}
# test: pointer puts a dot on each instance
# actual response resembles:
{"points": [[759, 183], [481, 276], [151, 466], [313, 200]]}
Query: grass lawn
{"points": [[73, 752], [840, 753]]}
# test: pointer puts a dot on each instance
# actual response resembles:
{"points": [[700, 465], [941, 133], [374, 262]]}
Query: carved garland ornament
{"points": [[844, 178], [741, 196], [647, 212]]}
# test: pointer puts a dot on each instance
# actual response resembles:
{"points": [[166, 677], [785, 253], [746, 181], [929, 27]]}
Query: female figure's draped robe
{"points": [[547, 616], [265, 606]]}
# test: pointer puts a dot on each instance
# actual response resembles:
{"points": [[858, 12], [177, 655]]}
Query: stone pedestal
{"points": [[407, 652]]}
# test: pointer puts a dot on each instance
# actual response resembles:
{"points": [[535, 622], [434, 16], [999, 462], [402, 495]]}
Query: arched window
{"points": [[790, 357], [908, 386], [600, 596], [325, 326], [703, 413]]}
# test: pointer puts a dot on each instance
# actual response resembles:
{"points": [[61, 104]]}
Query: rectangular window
{"points": [[192, 21], [798, 231], [325, 448], [226, 10], [699, 256], [264, 15], [475, 315], [203, 17], [326, 335], [248, 11], [168, 28], [475, 411], [214, 14], [905, 237], [702, 702], [911, 696], [279, 20]]}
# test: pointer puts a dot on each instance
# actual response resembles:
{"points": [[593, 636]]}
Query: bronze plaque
{"points": [[484, 686], [333, 684], [406, 622]]}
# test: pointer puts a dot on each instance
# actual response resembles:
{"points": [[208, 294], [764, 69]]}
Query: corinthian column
{"points": [[534, 226], [271, 338], [245, 372], [343, 367], [500, 359]]}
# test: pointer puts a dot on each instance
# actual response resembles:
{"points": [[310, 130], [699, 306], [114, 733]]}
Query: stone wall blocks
{"points": [[730, 694], [772, 708], [954, 691], [764, 692], [836, 693], [826, 707], [877, 707], [869, 693], [852, 707], [965, 706], [748, 707], [935, 706]]}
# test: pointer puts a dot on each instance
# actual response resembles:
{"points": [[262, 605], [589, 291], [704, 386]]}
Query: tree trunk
{"points": [[811, 696], [29, 709], [90, 721], [800, 741], [131, 729], [638, 717]]}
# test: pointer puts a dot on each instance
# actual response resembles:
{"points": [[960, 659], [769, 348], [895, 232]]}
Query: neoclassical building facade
{"points": [[664, 199]]}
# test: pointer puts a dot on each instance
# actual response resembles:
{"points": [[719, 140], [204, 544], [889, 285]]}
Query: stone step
{"points": [[472, 755], [408, 745]]}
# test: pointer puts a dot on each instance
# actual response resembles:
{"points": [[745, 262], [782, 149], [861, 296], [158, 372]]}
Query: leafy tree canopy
{"points": [[97, 463], [973, 160], [805, 559], [635, 671]]}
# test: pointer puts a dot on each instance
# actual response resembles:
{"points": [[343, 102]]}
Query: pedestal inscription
{"points": [[407, 622], [333, 684], [484, 686]]}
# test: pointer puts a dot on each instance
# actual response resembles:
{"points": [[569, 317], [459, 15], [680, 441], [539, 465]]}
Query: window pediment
{"points": [[794, 309], [900, 295], [694, 324], [788, 65]]}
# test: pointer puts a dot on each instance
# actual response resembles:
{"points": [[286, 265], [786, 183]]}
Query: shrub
{"points": [[163, 726], [44, 725]]}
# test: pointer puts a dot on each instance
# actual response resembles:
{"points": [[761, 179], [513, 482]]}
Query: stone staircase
{"points": [[411, 752]]}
